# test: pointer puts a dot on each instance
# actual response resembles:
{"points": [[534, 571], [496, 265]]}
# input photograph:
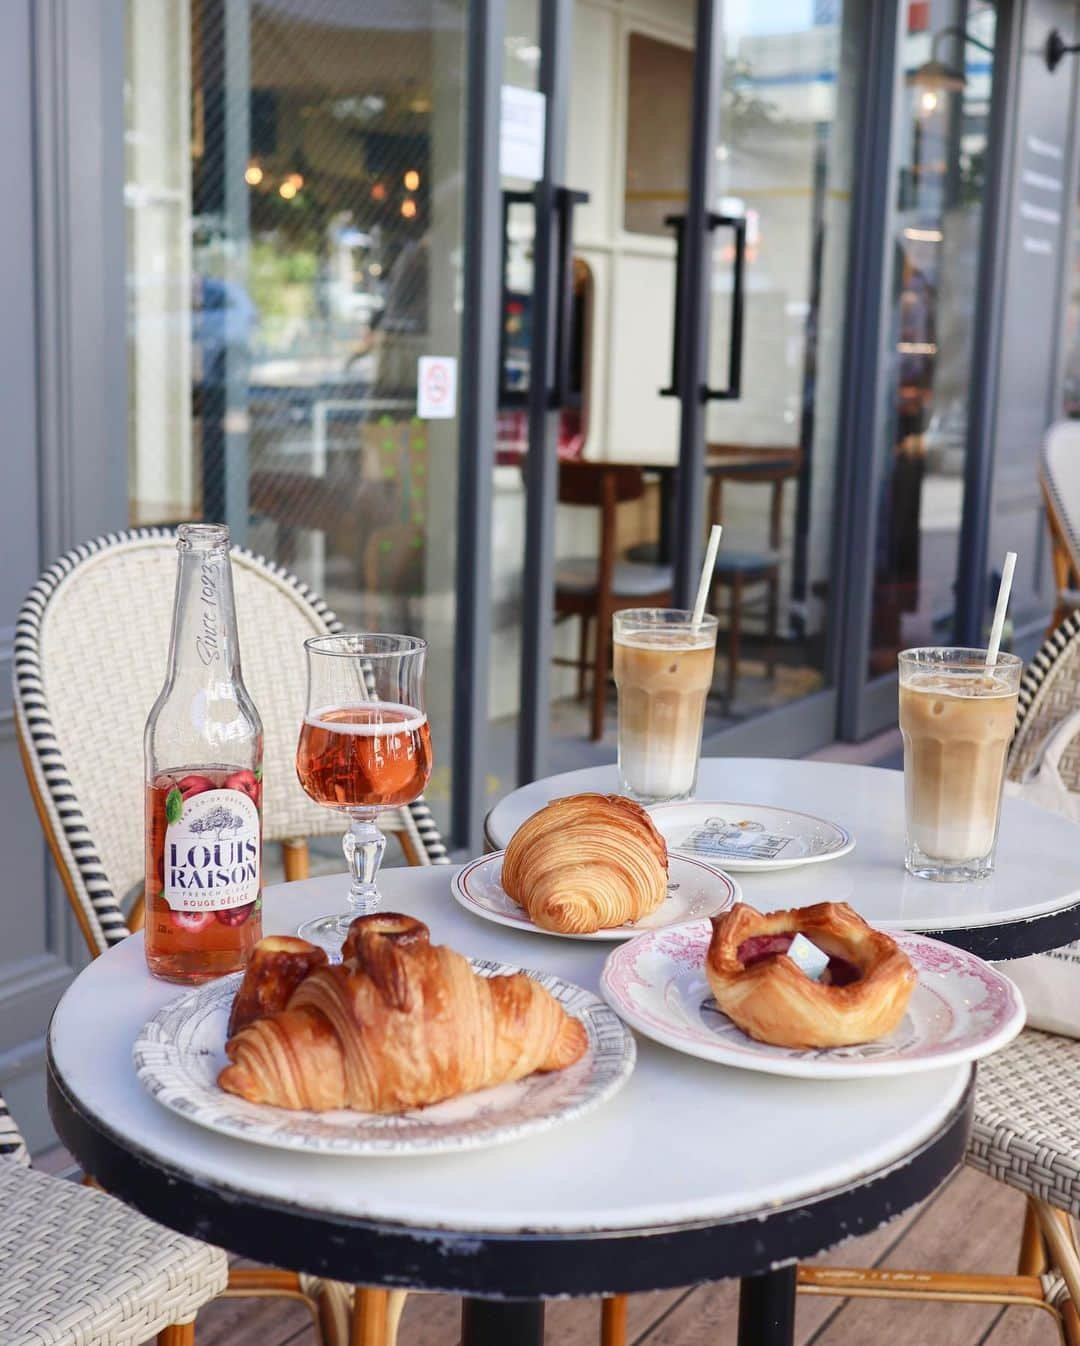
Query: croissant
{"points": [[862, 995], [586, 862], [399, 1024]]}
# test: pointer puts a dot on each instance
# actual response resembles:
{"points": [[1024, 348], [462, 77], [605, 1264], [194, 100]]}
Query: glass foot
{"points": [[329, 932]]}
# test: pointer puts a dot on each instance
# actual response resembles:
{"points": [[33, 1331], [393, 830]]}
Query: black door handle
{"points": [[678, 223], [734, 384], [507, 396], [564, 394], [737, 223]]}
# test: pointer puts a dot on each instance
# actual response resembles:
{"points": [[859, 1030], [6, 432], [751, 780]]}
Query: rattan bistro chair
{"points": [[90, 648], [1059, 477], [78, 1268], [1027, 1124]]}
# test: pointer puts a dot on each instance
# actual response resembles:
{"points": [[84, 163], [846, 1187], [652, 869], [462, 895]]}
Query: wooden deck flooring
{"points": [[972, 1224]]}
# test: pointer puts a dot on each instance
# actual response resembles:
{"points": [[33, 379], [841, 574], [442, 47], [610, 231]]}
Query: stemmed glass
{"points": [[365, 745]]}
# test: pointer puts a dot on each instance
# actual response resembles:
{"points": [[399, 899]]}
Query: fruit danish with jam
{"points": [[861, 995]]}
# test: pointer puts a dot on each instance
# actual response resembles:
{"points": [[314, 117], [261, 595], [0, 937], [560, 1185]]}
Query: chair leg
{"points": [[770, 625], [1032, 1260], [394, 1310], [1070, 1324], [182, 1334], [613, 1321], [583, 656], [408, 847], [600, 675], [369, 1317], [295, 860], [1058, 1233], [734, 635]]}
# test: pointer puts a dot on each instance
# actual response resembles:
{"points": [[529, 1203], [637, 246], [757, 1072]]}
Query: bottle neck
{"points": [[204, 644]]}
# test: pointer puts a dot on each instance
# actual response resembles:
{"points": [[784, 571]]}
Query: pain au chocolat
{"points": [[862, 994], [585, 863]]}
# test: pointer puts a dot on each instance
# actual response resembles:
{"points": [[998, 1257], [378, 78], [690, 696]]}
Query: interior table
{"points": [[692, 1173], [1029, 904]]}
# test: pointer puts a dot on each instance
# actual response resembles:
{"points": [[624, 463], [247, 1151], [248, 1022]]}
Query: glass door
{"points": [[733, 205], [942, 159], [295, 241]]}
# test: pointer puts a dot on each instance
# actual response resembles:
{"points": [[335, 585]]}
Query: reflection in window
{"points": [[294, 180], [938, 218]]}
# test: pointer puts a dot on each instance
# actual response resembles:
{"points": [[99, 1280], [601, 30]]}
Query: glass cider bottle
{"points": [[203, 749]]}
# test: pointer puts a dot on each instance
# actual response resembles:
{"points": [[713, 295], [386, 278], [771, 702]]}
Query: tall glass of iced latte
{"points": [[663, 670], [957, 718]]}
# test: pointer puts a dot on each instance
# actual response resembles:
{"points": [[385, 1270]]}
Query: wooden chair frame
{"points": [[1063, 556], [603, 485]]}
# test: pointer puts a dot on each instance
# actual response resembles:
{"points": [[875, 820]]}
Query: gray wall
{"points": [[1038, 256], [63, 359]]}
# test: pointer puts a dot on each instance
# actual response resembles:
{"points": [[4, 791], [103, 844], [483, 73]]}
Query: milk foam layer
{"points": [[956, 729]]}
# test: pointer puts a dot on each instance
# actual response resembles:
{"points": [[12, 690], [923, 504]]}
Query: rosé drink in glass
{"points": [[364, 745]]}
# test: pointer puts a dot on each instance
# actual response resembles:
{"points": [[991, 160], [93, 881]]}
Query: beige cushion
{"points": [[578, 574]]}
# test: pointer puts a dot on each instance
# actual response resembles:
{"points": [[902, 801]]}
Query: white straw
{"points": [[999, 612], [706, 573]]}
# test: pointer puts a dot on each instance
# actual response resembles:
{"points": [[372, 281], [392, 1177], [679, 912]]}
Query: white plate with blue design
{"points": [[181, 1050], [961, 1009], [694, 889], [749, 838]]}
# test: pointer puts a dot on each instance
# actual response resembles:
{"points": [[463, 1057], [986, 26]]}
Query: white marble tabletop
{"points": [[1037, 870], [685, 1140]]}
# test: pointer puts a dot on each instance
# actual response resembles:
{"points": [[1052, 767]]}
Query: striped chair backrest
{"points": [[12, 1145], [90, 649]]}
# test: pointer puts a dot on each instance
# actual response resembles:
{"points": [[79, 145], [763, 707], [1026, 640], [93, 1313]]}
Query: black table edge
{"points": [[1018, 938], [505, 1265]]}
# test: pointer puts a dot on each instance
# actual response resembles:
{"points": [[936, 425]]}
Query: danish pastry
{"points": [[862, 994], [586, 862]]}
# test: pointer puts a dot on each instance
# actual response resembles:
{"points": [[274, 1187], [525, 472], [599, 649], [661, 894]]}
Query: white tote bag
{"points": [[1050, 982]]}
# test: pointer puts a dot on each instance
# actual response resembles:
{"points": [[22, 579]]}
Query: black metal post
{"points": [[480, 366], [987, 336], [692, 339], [862, 413], [541, 463], [490, 1322], [767, 1309]]}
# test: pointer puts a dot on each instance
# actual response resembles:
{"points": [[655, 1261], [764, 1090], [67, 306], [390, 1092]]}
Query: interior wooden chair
{"points": [[737, 570], [78, 1268], [1059, 478], [90, 649], [593, 588]]}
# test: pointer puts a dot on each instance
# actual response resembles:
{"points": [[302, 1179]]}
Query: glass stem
{"points": [[363, 845]]}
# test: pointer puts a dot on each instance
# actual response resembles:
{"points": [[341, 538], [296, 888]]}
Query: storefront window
{"points": [[948, 73], [294, 193]]}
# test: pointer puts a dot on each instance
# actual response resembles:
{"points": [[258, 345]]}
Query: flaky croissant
{"points": [[399, 1024], [585, 863], [863, 996]]}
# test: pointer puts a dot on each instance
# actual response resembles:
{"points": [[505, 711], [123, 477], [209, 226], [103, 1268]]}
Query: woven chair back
{"points": [[91, 647], [1049, 691], [1061, 482]]}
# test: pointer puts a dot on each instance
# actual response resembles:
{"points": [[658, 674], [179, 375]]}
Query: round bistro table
{"points": [[692, 1173], [1030, 903]]}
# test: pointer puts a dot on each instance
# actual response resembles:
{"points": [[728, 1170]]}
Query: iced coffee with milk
{"points": [[663, 670], [957, 717]]}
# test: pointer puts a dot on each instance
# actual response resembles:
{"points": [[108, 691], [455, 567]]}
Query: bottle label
{"points": [[212, 852]]}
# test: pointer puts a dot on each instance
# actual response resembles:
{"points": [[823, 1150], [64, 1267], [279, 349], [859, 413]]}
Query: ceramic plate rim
{"points": [[608, 935], [818, 1068], [620, 1061], [749, 866]]}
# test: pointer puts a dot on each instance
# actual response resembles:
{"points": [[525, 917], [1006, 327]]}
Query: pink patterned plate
{"points": [[961, 1009]]}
